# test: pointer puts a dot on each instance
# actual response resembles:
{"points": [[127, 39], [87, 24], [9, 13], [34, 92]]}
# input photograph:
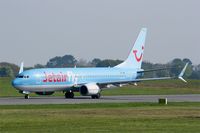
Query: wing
{"points": [[121, 83], [152, 70], [180, 76]]}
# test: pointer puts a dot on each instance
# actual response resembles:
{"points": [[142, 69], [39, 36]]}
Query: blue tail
{"points": [[134, 59]]}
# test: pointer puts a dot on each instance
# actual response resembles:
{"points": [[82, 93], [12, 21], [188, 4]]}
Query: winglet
{"points": [[180, 76], [21, 68]]}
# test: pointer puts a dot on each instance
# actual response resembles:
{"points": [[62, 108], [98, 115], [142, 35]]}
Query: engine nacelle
{"points": [[44, 93], [89, 89]]}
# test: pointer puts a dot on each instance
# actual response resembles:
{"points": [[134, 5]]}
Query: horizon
{"points": [[18, 64]]}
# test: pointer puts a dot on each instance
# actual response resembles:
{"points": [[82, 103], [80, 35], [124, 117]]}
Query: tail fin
{"points": [[134, 59]]}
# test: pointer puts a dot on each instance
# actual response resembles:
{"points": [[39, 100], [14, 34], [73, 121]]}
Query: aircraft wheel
{"points": [[69, 94], [93, 96], [26, 96], [97, 96]]}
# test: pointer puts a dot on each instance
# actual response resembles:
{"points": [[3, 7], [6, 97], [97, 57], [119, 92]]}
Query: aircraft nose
{"points": [[15, 83]]}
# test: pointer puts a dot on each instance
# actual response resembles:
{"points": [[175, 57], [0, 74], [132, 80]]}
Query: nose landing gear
{"points": [[26, 94]]}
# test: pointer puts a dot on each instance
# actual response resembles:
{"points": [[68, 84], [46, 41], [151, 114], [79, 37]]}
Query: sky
{"points": [[34, 31]]}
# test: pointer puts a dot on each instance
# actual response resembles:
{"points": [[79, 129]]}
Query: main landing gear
{"points": [[69, 94], [26, 96], [97, 96]]}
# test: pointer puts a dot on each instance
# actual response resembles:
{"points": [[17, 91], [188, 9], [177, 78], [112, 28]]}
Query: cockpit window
{"points": [[22, 76], [19, 76]]}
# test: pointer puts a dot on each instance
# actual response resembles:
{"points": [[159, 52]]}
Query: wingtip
{"points": [[181, 78], [182, 73]]}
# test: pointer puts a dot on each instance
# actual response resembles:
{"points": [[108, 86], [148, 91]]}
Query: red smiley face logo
{"points": [[135, 54]]}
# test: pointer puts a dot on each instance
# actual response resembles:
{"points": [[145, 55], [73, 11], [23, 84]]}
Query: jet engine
{"points": [[89, 89]]}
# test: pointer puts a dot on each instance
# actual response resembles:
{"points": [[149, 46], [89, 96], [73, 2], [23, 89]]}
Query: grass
{"points": [[107, 117], [6, 88], [143, 88], [161, 87]]}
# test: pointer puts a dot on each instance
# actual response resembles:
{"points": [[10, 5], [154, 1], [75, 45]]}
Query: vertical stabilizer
{"points": [[134, 59]]}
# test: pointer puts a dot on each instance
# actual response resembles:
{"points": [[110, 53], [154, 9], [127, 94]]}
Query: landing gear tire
{"points": [[69, 95], [26, 96], [97, 96], [93, 96]]}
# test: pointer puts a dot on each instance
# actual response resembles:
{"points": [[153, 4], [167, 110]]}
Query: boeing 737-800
{"points": [[87, 81]]}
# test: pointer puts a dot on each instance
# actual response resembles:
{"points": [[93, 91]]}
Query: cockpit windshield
{"points": [[22, 76]]}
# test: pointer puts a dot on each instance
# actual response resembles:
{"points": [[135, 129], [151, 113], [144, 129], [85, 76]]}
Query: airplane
{"points": [[87, 81]]}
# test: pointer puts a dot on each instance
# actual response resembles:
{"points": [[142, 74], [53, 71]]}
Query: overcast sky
{"points": [[36, 30]]}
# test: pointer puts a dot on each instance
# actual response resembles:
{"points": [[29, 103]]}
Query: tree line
{"points": [[173, 67]]}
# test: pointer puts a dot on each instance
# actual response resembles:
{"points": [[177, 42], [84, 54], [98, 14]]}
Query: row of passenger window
{"points": [[99, 76]]}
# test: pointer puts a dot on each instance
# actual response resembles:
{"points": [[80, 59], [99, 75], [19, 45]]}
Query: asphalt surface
{"points": [[104, 99]]}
